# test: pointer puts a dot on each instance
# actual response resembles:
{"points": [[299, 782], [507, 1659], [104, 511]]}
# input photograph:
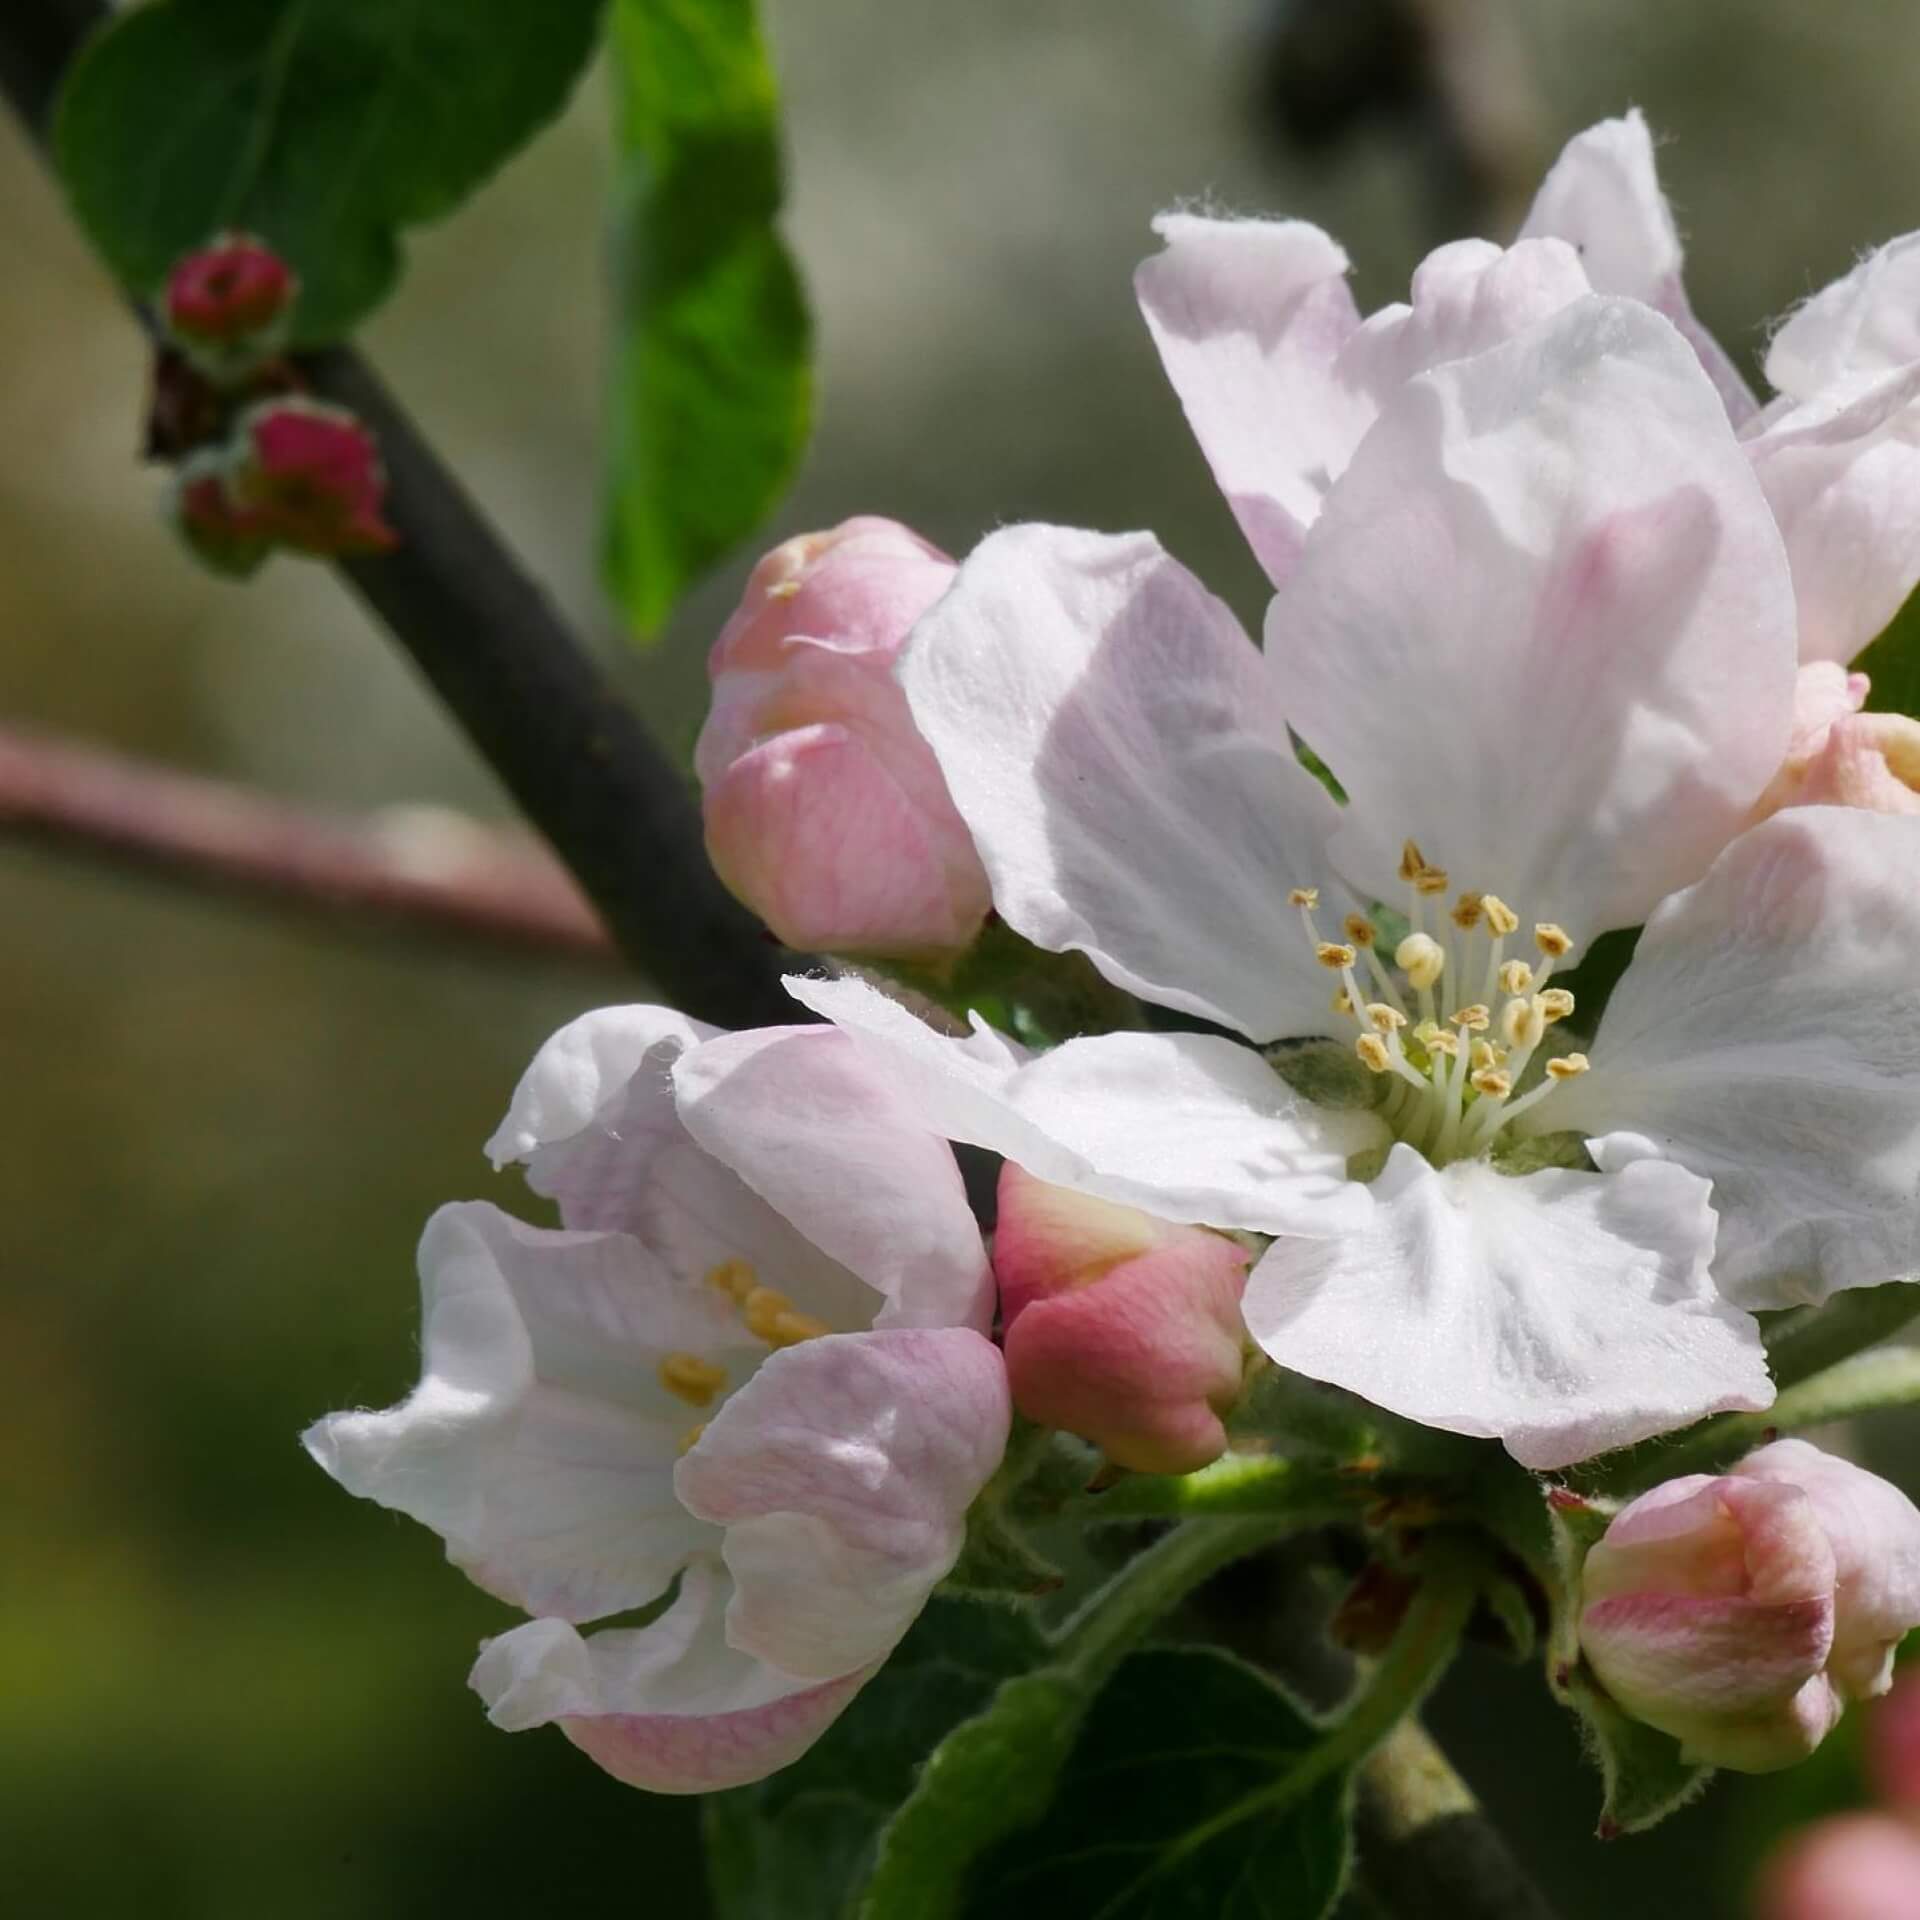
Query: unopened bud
{"points": [[228, 304], [309, 476], [1119, 1327]]}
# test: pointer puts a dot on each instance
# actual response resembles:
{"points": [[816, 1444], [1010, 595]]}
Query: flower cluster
{"points": [[1564, 615]]}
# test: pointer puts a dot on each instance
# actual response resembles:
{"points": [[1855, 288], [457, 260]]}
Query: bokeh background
{"points": [[227, 1690]]}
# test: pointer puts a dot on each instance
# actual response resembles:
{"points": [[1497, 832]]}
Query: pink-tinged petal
{"points": [[1545, 625], [1871, 761], [1562, 1313], [1111, 739], [834, 1147], [842, 1473], [1866, 322], [1767, 1036], [669, 1707], [540, 1443], [1118, 1327], [1874, 1531], [1192, 1127], [1855, 1866], [1842, 474], [1602, 196], [1249, 317]]}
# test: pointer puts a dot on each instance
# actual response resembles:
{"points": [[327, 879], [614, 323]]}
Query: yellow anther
{"points": [[771, 1316], [735, 1278], [1440, 1041], [1383, 1018], [1556, 1003], [1342, 1001], [1515, 976], [1485, 1054], [690, 1438], [784, 589], [1501, 918], [1373, 1052], [1413, 863], [1426, 1030], [1555, 942], [790, 1328], [687, 1377], [1570, 1066], [1421, 958], [1468, 911], [1473, 1019], [1360, 930], [1493, 1083], [1330, 953], [1431, 880], [1304, 897], [1522, 1022]]}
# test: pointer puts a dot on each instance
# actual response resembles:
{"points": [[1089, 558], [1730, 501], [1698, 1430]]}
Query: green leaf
{"points": [[794, 1847], [1893, 663], [712, 385], [1173, 1802], [323, 126]]}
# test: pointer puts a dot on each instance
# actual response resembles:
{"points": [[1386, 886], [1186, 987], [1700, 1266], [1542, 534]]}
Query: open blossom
{"points": [[1535, 612], [1117, 1326], [755, 1387], [1741, 1614], [825, 811]]}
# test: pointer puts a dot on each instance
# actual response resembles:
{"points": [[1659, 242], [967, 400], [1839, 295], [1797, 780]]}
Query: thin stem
{"points": [[425, 871], [1235, 1485]]}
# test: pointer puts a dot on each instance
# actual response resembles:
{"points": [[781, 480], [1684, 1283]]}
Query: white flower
{"points": [[762, 1378]]}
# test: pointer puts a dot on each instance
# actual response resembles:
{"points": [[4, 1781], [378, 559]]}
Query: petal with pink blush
{"points": [[842, 1473], [1249, 317], [1545, 625], [1854, 1866]]}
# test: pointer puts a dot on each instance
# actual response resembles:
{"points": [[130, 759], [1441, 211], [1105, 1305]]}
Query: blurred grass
{"points": [[226, 1689]]}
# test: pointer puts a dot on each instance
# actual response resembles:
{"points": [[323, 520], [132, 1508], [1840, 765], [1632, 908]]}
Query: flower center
{"points": [[769, 1315], [1461, 1033]]}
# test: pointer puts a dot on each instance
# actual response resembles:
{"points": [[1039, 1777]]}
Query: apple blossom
{"points": [[1740, 1614], [1535, 615], [825, 812], [748, 1386], [1119, 1327], [1854, 1866], [308, 476], [228, 304]]}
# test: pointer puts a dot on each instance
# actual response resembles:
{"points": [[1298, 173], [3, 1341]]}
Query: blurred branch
{"points": [[418, 868], [487, 639]]}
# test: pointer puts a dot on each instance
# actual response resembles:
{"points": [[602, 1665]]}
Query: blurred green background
{"points": [[226, 1689]]}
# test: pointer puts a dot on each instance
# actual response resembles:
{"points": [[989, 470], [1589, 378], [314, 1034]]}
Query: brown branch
{"points": [[421, 870]]}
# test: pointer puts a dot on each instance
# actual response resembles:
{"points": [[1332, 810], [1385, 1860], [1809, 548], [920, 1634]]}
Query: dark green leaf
{"points": [[1893, 663], [795, 1847], [1172, 1806], [323, 126], [712, 383]]}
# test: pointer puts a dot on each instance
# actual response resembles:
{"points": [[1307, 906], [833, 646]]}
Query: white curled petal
{"points": [[1603, 197], [1562, 1313], [1111, 740], [669, 1707], [805, 1118], [842, 1473], [1842, 474], [1249, 316], [1545, 625], [1767, 1035], [540, 1443], [1866, 322], [1191, 1127]]}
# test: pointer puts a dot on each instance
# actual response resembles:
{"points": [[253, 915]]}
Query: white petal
{"points": [[1767, 1035], [669, 1707], [540, 1443], [1867, 322], [1842, 474], [1563, 1313], [1603, 197], [830, 1143], [842, 1473], [1191, 1127], [1111, 740], [1545, 625], [1249, 316]]}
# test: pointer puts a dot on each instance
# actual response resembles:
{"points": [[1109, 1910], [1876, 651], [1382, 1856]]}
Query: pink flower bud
{"points": [[309, 476], [233, 296], [1841, 757], [1739, 1614], [1893, 1745], [1856, 1866], [825, 809], [1119, 1327], [228, 539]]}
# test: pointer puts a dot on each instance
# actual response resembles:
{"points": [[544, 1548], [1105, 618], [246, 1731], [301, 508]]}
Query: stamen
{"points": [[735, 1278], [1570, 1066], [1360, 930], [772, 1317], [1342, 1001], [1486, 1054], [687, 1377], [1373, 1052], [1413, 862], [1304, 897], [1556, 1003], [1522, 1022], [1330, 953], [1383, 979], [1438, 1040], [1468, 911], [1473, 1019], [1419, 957], [1554, 941], [1384, 1019], [1515, 976], [1501, 918], [1493, 1083], [1431, 880]]}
